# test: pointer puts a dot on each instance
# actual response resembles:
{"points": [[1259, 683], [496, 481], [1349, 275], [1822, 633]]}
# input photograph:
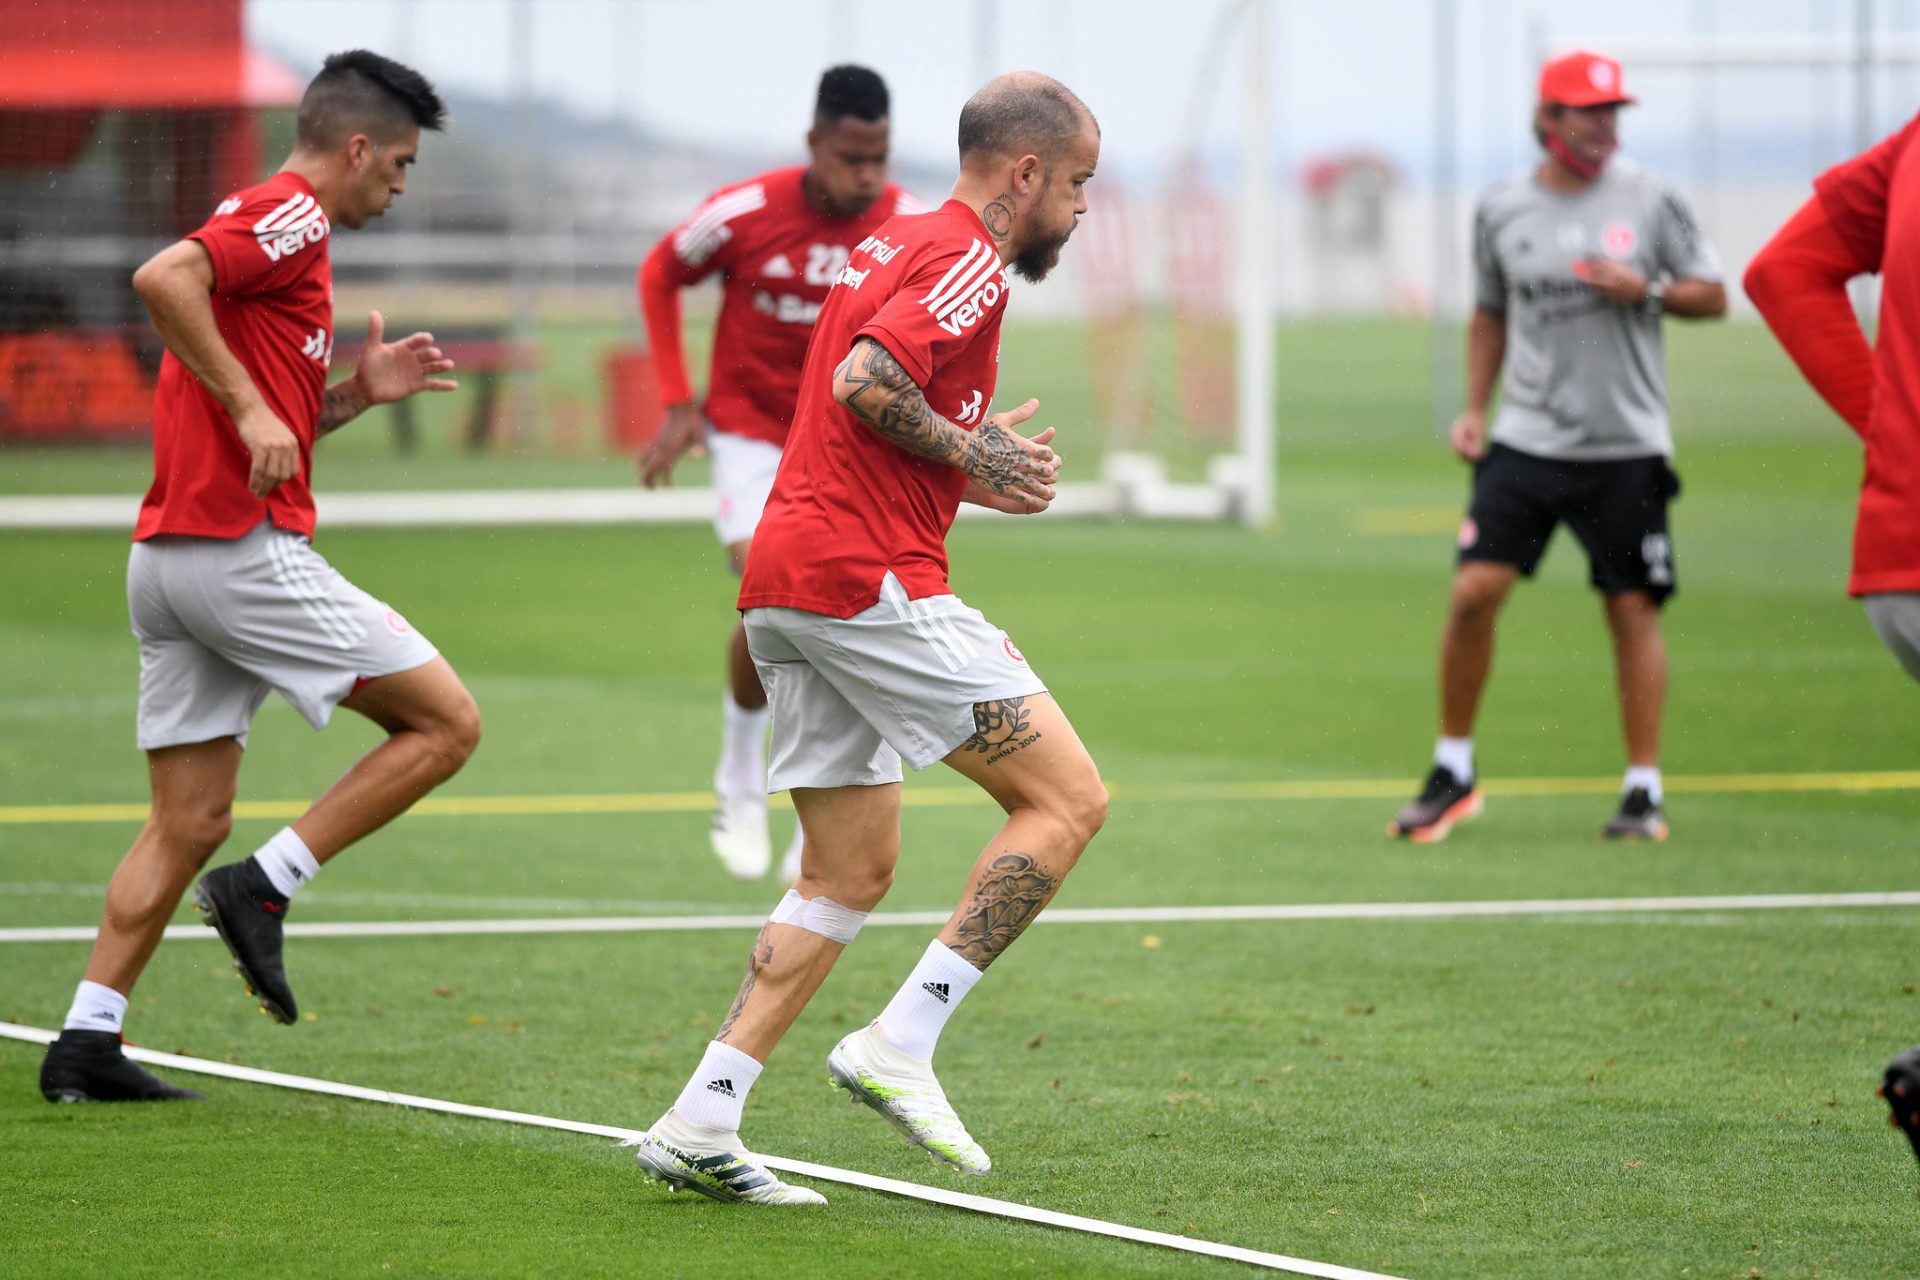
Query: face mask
{"points": [[1573, 159]]}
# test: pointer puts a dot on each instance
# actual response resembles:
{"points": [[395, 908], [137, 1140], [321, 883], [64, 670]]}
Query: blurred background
{"points": [[1281, 183]]}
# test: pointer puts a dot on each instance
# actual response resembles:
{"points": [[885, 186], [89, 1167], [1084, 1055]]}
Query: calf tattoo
{"points": [[1010, 894], [1001, 728], [758, 959]]}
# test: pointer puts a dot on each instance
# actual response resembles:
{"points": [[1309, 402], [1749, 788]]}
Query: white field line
{"points": [[1057, 915], [805, 1168]]}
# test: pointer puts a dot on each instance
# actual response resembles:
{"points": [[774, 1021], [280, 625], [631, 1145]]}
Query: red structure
{"points": [[122, 124]]}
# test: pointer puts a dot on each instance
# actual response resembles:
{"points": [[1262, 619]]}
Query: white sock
{"points": [[743, 750], [287, 861], [96, 1008], [717, 1092], [918, 1012], [1455, 755], [1643, 775]]}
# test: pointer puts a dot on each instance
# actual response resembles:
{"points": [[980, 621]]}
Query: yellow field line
{"points": [[945, 797]]}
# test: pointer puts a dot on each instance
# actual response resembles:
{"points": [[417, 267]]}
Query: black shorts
{"points": [[1618, 510]]}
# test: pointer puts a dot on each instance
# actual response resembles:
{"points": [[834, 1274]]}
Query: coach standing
{"points": [[1575, 263]]}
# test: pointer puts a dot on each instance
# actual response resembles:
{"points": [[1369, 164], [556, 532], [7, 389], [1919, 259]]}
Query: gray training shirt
{"points": [[1585, 377]]}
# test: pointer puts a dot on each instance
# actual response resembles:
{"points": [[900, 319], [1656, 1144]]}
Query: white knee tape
{"points": [[823, 916]]}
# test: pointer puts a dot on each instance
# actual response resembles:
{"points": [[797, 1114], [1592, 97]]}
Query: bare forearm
{"points": [[1694, 299], [882, 394], [1486, 350], [343, 402], [181, 307]]}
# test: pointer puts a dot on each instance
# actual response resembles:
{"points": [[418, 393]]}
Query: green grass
{"points": [[1657, 1095]]}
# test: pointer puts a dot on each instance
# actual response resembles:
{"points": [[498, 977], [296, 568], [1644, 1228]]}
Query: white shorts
{"points": [[853, 697], [1896, 616], [223, 621], [743, 477]]}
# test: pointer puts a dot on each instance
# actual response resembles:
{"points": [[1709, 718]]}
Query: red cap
{"points": [[1582, 79]]}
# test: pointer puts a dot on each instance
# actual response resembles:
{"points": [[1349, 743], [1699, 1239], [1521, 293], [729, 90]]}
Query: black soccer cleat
{"points": [[88, 1066], [1639, 818], [1901, 1088], [1443, 801], [241, 903]]}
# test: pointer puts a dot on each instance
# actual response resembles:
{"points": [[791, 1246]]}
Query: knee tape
{"points": [[823, 916]]}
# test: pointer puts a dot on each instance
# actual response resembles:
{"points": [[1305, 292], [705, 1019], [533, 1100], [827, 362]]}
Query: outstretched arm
{"points": [[660, 306], [879, 391], [388, 371]]}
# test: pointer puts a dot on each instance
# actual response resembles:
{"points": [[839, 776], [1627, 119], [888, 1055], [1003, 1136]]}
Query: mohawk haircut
{"points": [[362, 92], [848, 90], [1019, 113]]}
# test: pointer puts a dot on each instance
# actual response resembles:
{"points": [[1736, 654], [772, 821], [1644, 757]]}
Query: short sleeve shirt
{"points": [[1585, 377], [1873, 202], [848, 505], [777, 257], [273, 304]]}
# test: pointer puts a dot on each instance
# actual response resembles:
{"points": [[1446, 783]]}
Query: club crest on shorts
{"points": [[396, 623], [1469, 533], [1006, 642]]}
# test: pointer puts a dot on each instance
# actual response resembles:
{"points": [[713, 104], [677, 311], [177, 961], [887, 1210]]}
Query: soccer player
{"points": [[778, 242], [227, 597], [870, 659], [1864, 217], [1575, 263]]}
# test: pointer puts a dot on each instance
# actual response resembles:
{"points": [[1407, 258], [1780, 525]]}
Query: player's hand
{"points": [[1008, 465], [1024, 504], [679, 432], [391, 371], [274, 448], [1614, 281], [1468, 435]]}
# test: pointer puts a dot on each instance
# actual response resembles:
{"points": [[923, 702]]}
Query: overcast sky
{"points": [[1359, 74]]}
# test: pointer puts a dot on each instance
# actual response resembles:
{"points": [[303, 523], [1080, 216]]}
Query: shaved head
{"points": [[1022, 113]]}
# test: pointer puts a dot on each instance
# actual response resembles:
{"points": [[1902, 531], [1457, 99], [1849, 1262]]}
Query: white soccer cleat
{"points": [[904, 1091], [739, 836], [712, 1162]]}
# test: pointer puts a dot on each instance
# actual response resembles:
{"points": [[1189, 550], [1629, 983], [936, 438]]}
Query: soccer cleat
{"points": [[88, 1066], [1443, 801], [1901, 1088], [1639, 818], [904, 1092], [697, 1157], [241, 904], [739, 836]]}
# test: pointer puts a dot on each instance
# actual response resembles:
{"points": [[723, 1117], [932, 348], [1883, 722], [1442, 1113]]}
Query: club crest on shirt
{"points": [[1617, 240]]}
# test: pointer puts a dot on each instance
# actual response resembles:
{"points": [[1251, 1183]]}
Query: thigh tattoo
{"points": [[1001, 728]]}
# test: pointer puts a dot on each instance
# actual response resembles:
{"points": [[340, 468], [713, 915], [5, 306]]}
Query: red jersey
{"points": [[848, 505], [1873, 202], [777, 258], [273, 303]]}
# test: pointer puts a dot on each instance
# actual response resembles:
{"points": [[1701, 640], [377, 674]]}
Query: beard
{"points": [[1034, 262]]}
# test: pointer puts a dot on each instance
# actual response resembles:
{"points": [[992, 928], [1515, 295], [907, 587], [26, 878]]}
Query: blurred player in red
{"points": [[870, 659], [778, 242], [228, 598], [1864, 217]]}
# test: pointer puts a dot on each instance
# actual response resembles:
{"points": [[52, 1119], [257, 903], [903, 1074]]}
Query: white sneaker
{"points": [[790, 863], [903, 1090], [739, 836], [697, 1157]]}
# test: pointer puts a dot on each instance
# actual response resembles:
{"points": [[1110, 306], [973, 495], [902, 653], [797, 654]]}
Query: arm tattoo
{"points": [[757, 960], [999, 217], [886, 398], [1010, 894], [1000, 729], [340, 405]]}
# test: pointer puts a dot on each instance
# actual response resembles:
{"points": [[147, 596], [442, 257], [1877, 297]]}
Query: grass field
{"points": [[1533, 1096]]}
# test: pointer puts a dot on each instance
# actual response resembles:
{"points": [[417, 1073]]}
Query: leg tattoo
{"points": [[1011, 893], [1000, 728], [759, 958]]}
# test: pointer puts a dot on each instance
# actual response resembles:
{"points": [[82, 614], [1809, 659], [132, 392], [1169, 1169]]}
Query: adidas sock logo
{"points": [[938, 990], [721, 1086]]}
